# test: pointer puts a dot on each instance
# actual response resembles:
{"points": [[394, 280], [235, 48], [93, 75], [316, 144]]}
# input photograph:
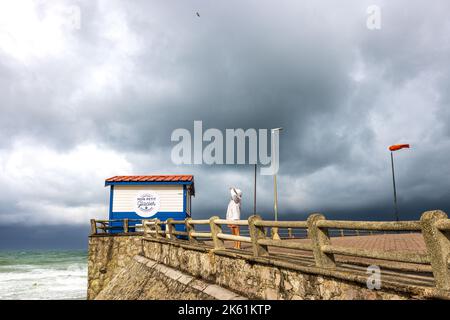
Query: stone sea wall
{"points": [[129, 267], [259, 281], [107, 256], [145, 279]]}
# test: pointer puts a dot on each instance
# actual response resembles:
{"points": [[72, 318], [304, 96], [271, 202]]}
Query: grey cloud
{"points": [[134, 72]]}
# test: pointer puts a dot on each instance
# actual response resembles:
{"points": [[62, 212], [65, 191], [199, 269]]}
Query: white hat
{"points": [[235, 192]]}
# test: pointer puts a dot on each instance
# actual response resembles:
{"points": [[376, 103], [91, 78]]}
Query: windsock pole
{"points": [[395, 190], [393, 148]]}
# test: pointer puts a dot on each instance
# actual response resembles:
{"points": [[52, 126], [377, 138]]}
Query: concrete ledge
{"points": [[119, 234], [212, 290]]}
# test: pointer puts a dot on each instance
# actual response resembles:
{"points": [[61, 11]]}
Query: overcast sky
{"points": [[83, 102]]}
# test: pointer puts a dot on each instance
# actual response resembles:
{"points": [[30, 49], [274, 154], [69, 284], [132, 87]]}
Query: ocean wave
{"points": [[53, 276]]}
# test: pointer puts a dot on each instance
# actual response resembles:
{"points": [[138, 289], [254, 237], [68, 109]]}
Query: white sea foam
{"points": [[54, 278]]}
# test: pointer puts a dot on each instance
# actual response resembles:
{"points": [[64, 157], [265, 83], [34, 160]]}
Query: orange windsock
{"points": [[396, 147]]}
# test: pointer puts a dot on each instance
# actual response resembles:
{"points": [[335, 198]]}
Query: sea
{"points": [[44, 275]]}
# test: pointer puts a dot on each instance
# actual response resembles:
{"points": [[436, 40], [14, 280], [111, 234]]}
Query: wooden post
{"points": [[216, 229], [290, 233], [158, 228], [190, 228], [257, 233], [145, 227], [319, 237], [438, 247], [93, 226], [125, 225], [169, 228]]}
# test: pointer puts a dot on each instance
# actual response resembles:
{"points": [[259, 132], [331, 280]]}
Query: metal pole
{"points": [[275, 235], [275, 198], [395, 191], [254, 193]]}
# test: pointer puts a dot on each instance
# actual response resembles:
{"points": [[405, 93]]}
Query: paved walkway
{"points": [[384, 242], [411, 242]]}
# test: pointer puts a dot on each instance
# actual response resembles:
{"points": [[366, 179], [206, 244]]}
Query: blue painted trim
{"points": [[134, 183], [160, 215], [190, 205], [184, 199], [132, 212], [163, 216], [111, 195]]}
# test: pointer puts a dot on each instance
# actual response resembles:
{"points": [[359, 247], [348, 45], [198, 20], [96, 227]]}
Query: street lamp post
{"points": [[275, 234], [254, 191]]}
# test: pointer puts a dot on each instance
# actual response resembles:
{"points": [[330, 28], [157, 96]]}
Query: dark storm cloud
{"points": [[115, 89], [55, 237]]}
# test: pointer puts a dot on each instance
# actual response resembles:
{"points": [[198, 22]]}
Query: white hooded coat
{"points": [[234, 206]]}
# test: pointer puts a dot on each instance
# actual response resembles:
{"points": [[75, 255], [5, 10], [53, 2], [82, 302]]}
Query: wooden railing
{"points": [[133, 225], [119, 225], [433, 225]]}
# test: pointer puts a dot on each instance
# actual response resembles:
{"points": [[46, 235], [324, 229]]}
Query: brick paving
{"points": [[407, 242], [412, 242]]}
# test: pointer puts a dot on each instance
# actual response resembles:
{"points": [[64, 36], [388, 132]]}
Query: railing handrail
{"points": [[231, 222], [281, 224], [200, 234], [443, 224], [225, 236], [114, 220], [371, 225], [285, 244], [149, 222], [299, 224], [174, 222], [204, 221]]}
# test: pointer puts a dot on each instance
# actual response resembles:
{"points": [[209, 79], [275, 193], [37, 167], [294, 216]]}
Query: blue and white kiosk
{"points": [[149, 197]]}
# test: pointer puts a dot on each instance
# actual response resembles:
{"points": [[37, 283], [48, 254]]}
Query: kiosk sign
{"points": [[147, 204]]}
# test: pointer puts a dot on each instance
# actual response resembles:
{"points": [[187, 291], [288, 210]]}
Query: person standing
{"points": [[234, 212]]}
